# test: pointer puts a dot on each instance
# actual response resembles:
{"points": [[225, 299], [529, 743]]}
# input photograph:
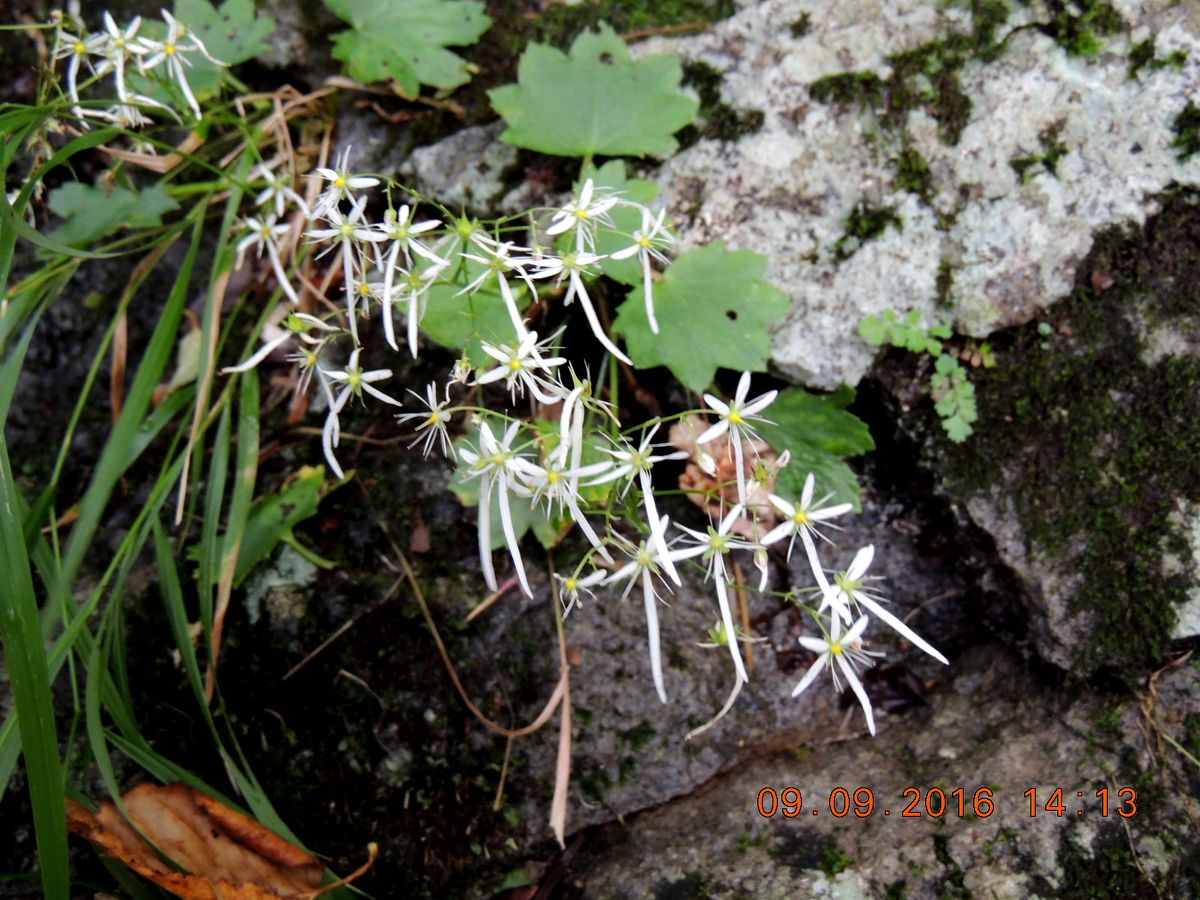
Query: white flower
{"points": [[499, 262], [847, 652], [643, 566], [571, 586], [171, 51], [645, 239], [849, 588], [494, 465], [118, 47], [736, 417], [582, 215], [714, 545], [264, 234], [629, 462], [76, 50], [341, 183], [296, 325], [558, 488], [278, 192], [521, 368], [433, 422], [354, 382], [413, 290], [349, 231], [573, 267], [803, 520]]}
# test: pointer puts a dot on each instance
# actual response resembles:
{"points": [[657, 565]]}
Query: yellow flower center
{"points": [[836, 648], [80, 47], [800, 517], [169, 49], [552, 477], [735, 417], [514, 365], [340, 182]]}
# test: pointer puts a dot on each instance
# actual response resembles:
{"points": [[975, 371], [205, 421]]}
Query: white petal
{"points": [[813, 671]]}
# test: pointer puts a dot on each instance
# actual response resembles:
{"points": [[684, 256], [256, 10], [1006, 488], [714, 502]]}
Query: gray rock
{"points": [[994, 727], [1003, 244]]}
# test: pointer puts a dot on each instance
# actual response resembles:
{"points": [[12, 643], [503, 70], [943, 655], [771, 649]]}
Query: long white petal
{"points": [[913, 638], [485, 535], [656, 527], [651, 602], [813, 671], [727, 622], [510, 536], [856, 686]]}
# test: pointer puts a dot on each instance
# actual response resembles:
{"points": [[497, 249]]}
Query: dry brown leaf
{"points": [[224, 853]]}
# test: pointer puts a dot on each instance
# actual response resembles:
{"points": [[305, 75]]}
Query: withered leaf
{"points": [[223, 853]]}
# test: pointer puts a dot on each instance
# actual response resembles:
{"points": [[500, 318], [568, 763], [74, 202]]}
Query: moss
{"points": [[801, 26], [912, 173], [1143, 55], [1115, 438], [835, 861], [1111, 871], [864, 223], [927, 77], [953, 877], [560, 23], [1080, 26], [716, 119], [1052, 150], [638, 736], [1186, 128]]}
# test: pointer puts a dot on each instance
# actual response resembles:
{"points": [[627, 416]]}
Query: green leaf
{"points": [[714, 311], [92, 213], [596, 101], [405, 40], [873, 331], [957, 429], [462, 322], [818, 432], [273, 518]]}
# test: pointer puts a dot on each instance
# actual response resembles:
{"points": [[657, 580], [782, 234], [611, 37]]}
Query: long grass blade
{"points": [[25, 658]]}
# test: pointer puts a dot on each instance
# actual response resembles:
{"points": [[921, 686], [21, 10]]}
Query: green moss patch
{"points": [[1094, 447], [927, 77]]}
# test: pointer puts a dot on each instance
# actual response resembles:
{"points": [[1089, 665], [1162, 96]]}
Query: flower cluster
{"points": [[115, 51], [586, 472]]}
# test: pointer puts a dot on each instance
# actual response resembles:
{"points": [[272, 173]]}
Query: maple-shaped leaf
{"points": [[714, 310], [92, 213], [221, 852], [819, 433], [595, 101], [405, 41]]}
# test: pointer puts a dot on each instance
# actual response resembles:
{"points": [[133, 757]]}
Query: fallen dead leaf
{"points": [[225, 854]]}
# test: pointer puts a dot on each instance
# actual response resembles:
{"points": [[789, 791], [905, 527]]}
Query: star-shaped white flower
{"points": [[341, 184], [494, 464], [840, 652], [433, 421], [582, 215], [647, 241], [523, 367], [804, 519], [735, 418], [714, 545], [849, 588]]}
